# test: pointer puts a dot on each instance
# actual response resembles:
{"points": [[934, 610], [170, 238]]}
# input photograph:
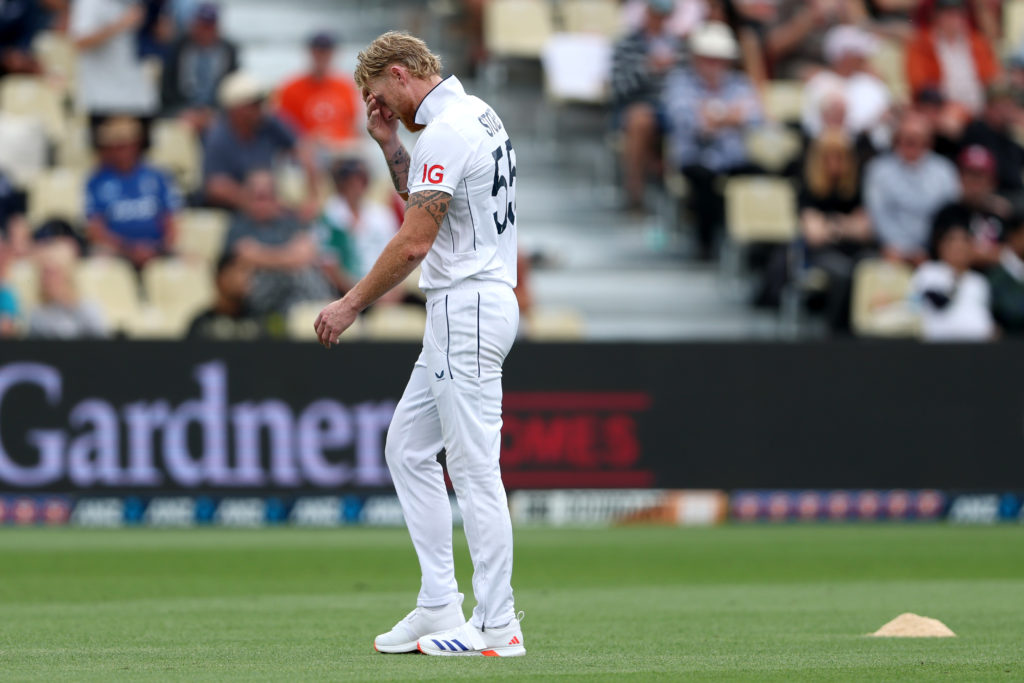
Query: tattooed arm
{"points": [[398, 165], [404, 252]]}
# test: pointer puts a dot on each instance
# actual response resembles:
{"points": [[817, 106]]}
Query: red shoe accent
{"points": [[418, 647], [514, 641], [375, 646], [490, 653]]}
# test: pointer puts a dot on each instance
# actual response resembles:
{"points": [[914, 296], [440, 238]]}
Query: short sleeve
{"points": [[439, 160]]}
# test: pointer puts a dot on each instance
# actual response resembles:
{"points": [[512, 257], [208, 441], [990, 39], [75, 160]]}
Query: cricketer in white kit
{"points": [[460, 226]]}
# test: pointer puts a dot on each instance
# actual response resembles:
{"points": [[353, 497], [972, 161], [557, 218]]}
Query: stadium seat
{"points": [[57, 193], [300, 323], [1013, 25], [74, 149], [555, 325], [177, 288], [601, 17], [200, 234], [110, 283], [517, 28], [175, 148], [784, 100], [23, 148], [760, 209], [152, 323], [56, 53], [23, 276], [772, 146], [880, 305], [395, 323], [32, 96], [576, 68], [890, 63]]}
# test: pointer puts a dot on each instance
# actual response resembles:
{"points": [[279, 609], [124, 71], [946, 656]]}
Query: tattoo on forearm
{"points": [[398, 165], [434, 202]]}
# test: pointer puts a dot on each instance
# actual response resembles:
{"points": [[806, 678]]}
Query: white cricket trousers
{"points": [[453, 400]]}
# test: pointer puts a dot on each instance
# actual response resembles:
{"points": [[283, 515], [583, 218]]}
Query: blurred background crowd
{"points": [[833, 167]]}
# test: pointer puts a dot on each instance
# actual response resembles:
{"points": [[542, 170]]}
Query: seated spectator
{"points": [[866, 96], [945, 119], [795, 36], [904, 189], [993, 130], [833, 221], [130, 205], [196, 64], [321, 104], [245, 139], [60, 313], [708, 108], [951, 56], [1006, 280], [110, 77], [14, 227], [640, 62], [20, 21], [229, 318], [979, 208], [156, 31], [281, 250], [353, 231], [9, 311], [954, 300]]}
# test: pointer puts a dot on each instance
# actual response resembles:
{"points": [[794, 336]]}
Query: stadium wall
{"points": [[282, 419]]}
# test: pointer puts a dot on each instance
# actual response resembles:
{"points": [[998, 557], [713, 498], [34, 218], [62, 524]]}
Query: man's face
{"points": [[122, 156], [321, 58], [204, 32], [233, 281], [246, 116], [395, 98], [977, 184], [710, 69], [914, 140], [261, 198], [950, 22]]}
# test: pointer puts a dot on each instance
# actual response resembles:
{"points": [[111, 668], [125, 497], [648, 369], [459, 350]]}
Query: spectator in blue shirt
{"points": [[130, 205], [708, 108]]}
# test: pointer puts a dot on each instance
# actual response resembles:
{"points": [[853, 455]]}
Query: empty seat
{"points": [[1013, 25], [177, 288], [555, 325], [784, 100], [175, 148], [58, 193], [600, 17], [56, 53], [760, 209], [32, 96], [880, 305], [111, 284], [200, 234], [395, 323], [23, 148], [517, 28], [772, 146]]}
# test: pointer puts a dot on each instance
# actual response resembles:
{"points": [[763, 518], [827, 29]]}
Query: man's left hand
{"points": [[332, 321]]}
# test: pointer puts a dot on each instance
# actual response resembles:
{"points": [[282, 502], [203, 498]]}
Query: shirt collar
{"points": [[435, 101]]}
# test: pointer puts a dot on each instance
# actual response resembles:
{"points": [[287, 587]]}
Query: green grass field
{"points": [[733, 603]]}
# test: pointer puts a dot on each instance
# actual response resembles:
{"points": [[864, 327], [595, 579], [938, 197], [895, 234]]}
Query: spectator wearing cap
{"points": [[983, 212], [278, 247], [195, 66], [866, 97], [352, 231], [247, 138], [229, 319], [708, 108], [129, 205], [322, 104], [954, 300], [110, 78], [1006, 280], [904, 189], [640, 62], [950, 55], [993, 130]]}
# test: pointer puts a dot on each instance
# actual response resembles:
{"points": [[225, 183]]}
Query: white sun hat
{"points": [[714, 40]]}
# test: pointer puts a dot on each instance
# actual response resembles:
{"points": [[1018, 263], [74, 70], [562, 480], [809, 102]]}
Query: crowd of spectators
{"points": [[153, 61], [919, 164]]}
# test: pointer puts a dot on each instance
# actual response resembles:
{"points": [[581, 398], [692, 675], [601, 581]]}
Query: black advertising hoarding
{"points": [[120, 417]]}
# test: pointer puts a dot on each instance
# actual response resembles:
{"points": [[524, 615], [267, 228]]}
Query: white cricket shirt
{"points": [[465, 152]]}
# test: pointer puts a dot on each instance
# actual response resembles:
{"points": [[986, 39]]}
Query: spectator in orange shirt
{"points": [[952, 57], [323, 105]]}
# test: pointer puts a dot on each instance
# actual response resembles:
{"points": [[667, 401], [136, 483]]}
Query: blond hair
{"points": [[815, 177], [396, 47]]}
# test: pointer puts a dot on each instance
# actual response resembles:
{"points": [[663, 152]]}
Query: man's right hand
{"points": [[381, 123]]}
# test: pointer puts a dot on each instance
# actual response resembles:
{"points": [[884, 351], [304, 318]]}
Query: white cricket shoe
{"points": [[469, 640], [418, 623]]}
